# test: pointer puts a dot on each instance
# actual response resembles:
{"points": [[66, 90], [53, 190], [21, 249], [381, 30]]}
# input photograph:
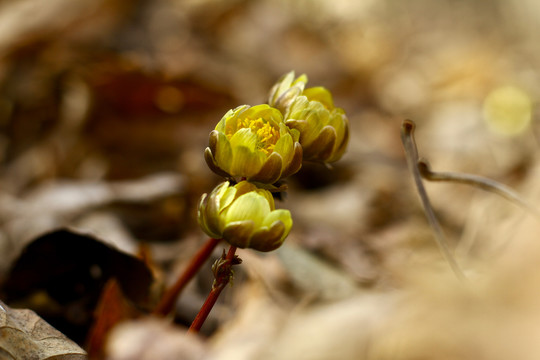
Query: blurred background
{"points": [[105, 110]]}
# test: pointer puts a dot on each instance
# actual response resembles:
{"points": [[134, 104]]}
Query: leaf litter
{"points": [[101, 105]]}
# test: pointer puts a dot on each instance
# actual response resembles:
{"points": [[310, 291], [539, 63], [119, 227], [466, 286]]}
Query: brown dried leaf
{"points": [[69, 270], [24, 335]]}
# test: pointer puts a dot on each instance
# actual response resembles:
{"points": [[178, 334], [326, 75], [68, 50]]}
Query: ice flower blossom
{"points": [[253, 143], [323, 128], [244, 216]]}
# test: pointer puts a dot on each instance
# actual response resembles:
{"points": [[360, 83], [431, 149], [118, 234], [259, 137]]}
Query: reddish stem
{"points": [[223, 273], [166, 304]]}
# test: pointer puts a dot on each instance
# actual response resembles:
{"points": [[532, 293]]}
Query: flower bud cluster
{"points": [[323, 128], [260, 145]]}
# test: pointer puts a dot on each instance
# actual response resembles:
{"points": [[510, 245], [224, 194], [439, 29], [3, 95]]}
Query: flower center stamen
{"points": [[267, 135]]}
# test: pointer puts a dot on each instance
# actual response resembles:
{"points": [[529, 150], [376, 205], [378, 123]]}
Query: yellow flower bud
{"points": [[253, 143], [245, 216], [286, 90], [324, 129]]}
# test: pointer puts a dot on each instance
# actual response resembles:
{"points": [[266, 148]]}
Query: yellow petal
{"points": [[279, 215], [285, 90], [321, 95], [223, 122], [228, 123], [266, 112], [302, 79], [227, 198], [250, 206], [244, 137], [280, 87], [268, 195], [298, 108], [245, 162]]}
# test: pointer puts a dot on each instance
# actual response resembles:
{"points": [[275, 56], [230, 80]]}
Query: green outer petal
{"points": [[202, 218], [213, 139], [280, 216], [321, 149], [239, 233], [296, 161], [223, 154], [305, 127], [284, 147], [298, 126], [316, 119], [268, 238], [250, 206], [341, 147], [275, 228], [211, 162], [338, 120], [311, 116], [213, 207], [271, 170], [295, 134]]}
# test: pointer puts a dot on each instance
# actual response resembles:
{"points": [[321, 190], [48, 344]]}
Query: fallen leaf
{"points": [[67, 271], [24, 335]]}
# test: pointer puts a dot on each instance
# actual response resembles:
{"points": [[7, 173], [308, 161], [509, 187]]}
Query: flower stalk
{"points": [[223, 274], [166, 304]]}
